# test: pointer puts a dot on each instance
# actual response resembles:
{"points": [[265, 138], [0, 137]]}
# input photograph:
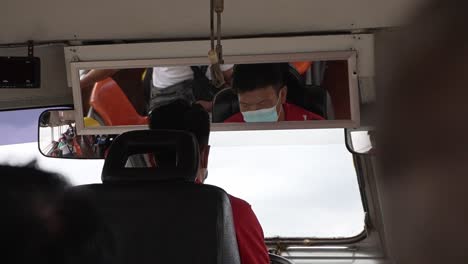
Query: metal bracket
{"points": [[30, 48], [216, 7], [75, 59]]}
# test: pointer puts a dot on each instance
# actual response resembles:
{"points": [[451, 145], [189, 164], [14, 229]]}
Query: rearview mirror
{"points": [[58, 137], [287, 91]]}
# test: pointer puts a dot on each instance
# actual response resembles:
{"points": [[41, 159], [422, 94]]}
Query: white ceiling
{"points": [[47, 20]]}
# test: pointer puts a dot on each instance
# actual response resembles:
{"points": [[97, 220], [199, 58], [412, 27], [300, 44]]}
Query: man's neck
{"points": [[282, 116]]}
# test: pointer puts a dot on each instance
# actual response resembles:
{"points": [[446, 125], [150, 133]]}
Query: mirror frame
{"points": [[349, 140], [71, 109], [39, 132], [349, 56]]}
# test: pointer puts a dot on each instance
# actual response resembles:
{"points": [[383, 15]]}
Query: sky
{"points": [[19, 126], [300, 183]]}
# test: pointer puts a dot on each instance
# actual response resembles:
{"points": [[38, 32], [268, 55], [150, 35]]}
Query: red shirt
{"points": [[249, 233], [291, 113]]}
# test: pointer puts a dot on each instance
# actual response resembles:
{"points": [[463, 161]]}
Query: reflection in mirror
{"points": [[262, 92], [58, 137]]}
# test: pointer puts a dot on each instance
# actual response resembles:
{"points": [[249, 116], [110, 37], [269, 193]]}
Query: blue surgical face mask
{"points": [[262, 115]]}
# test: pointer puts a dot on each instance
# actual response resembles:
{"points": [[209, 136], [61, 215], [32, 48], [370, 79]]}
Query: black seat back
{"points": [[166, 222], [167, 219], [310, 97]]}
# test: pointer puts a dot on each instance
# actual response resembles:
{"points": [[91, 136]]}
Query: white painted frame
{"points": [[363, 44], [350, 56]]}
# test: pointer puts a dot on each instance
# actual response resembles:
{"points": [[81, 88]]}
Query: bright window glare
{"points": [[77, 172], [300, 183]]}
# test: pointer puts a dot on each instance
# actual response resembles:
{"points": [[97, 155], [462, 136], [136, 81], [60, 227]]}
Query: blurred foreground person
{"points": [[41, 223], [31, 223], [423, 138]]}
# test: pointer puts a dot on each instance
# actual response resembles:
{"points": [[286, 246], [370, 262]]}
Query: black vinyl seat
{"points": [[167, 219], [225, 104], [309, 97], [276, 259]]}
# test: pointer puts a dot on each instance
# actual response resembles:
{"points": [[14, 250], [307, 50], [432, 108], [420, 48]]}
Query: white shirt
{"points": [[65, 149], [164, 77]]}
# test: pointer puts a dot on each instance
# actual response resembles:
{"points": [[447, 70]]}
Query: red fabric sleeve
{"points": [[236, 118], [250, 238], [297, 113], [313, 116]]}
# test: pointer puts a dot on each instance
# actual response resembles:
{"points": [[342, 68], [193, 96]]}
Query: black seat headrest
{"points": [[183, 145], [225, 104], [309, 97]]}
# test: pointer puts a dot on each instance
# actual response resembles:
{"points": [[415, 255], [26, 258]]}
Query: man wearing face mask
{"points": [[262, 95], [181, 115]]}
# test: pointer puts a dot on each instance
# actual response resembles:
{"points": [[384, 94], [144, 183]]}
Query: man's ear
{"points": [[204, 153], [283, 94]]}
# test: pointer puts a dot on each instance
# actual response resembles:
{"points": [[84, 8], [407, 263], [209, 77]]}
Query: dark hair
{"points": [[181, 115], [31, 203], [249, 77]]}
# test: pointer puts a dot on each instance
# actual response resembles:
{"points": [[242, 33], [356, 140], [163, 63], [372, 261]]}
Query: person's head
{"points": [[261, 89], [423, 140], [31, 224], [181, 115]]}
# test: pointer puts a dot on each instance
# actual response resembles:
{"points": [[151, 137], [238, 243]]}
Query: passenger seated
{"points": [[167, 83], [181, 115], [178, 82], [262, 95]]}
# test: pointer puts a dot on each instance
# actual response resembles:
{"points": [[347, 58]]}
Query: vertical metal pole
{"points": [[219, 48], [219, 8], [309, 76], [212, 24], [317, 73]]}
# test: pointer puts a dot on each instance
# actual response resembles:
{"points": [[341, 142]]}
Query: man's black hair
{"points": [[249, 77], [182, 115]]}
